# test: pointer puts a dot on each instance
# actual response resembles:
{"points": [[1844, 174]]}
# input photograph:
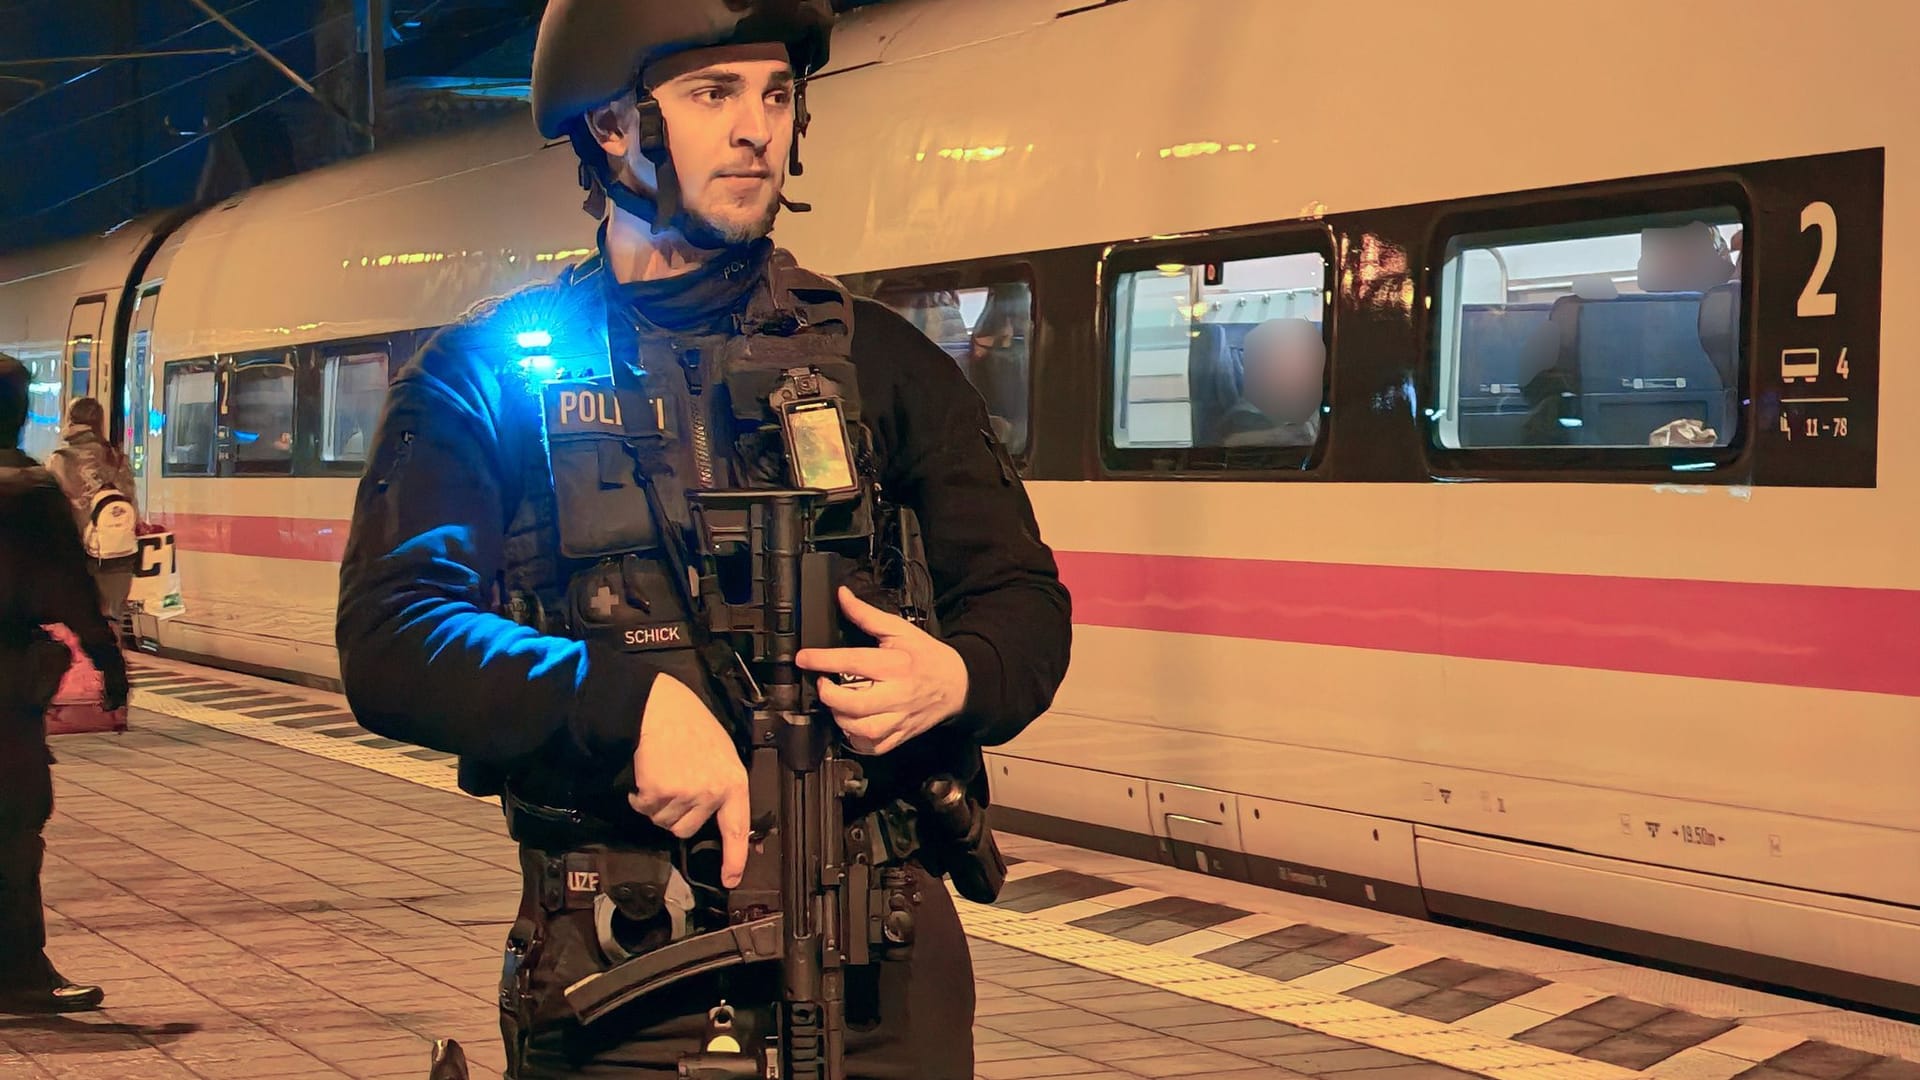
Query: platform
{"points": [[267, 890]]}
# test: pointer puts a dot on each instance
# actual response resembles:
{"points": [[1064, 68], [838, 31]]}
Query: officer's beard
{"points": [[711, 233]]}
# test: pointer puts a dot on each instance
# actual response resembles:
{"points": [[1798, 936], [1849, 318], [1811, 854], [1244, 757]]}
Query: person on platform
{"points": [[43, 580], [87, 465]]}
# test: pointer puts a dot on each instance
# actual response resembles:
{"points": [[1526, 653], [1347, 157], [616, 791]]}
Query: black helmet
{"points": [[589, 52]]}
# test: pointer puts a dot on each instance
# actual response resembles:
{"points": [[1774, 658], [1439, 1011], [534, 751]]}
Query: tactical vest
{"points": [[599, 547]]}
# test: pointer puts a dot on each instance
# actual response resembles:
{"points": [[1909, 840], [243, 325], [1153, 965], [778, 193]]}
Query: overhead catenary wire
{"points": [[170, 87], [175, 36], [151, 54], [155, 160], [279, 65]]}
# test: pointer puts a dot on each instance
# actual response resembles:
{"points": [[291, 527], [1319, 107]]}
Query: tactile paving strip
{"points": [[1327, 1013], [1328, 998], [390, 762]]}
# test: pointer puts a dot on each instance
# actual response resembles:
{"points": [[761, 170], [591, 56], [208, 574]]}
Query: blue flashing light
{"points": [[1572, 421], [534, 339], [541, 362]]}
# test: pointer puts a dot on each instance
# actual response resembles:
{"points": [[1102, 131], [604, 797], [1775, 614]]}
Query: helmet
{"points": [[589, 52]]}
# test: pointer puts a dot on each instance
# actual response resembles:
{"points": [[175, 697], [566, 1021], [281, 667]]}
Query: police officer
{"points": [[514, 592]]}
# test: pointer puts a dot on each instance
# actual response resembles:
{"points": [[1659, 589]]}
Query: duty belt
{"points": [[555, 828], [887, 835]]}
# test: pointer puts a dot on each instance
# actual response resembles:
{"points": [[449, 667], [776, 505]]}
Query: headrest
{"points": [[1719, 324], [1595, 287]]}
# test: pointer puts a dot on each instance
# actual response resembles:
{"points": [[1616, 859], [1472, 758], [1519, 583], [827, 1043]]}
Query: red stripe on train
{"points": [[307, 539], [1788, 635]]}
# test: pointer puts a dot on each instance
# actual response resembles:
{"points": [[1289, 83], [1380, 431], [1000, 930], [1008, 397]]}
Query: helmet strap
{"points": [[663, 209], [801, 119], [651, 136]]}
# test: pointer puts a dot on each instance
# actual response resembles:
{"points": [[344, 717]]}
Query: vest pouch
{"points": [[630, 603], [752, 373], [598, 439]]}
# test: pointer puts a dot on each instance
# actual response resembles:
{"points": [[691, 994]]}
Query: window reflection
{"points": [[353, 389], [1616, 333], [189, 396], [987, 330], [260, 412]]}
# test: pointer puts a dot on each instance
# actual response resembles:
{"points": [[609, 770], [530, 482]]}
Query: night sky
{"points": [[92, 143]]}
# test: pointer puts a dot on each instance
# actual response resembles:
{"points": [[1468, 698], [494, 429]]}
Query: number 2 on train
{"points": [[1814, 301]]}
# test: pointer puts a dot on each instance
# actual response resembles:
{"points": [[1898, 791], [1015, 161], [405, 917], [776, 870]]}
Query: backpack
{"points": [[110, 531]]}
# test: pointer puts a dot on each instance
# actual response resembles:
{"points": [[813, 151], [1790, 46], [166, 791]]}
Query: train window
{"points": [[138, 417], [83, 336], [259, 412], [133, 417], [42, 434], [987, 329], [80, 367], [353, 388], [1225, 356], [188, 393], [1597, 335]]}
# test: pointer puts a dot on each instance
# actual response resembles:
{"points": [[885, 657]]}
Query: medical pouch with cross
{"points": [[603, 442]]}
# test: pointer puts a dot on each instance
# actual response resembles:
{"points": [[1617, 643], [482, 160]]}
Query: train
{"points": [[1584, 602]]}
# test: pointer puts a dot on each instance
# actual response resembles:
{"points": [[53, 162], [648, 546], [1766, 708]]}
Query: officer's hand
{"points": [[686, 768], [918, 680]]}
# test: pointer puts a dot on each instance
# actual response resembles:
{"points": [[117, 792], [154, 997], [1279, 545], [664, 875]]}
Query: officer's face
{"points": [[729, 117]]}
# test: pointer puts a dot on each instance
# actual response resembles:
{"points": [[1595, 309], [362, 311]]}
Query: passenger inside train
{"points": [[1192, 337], [1283, 364]]}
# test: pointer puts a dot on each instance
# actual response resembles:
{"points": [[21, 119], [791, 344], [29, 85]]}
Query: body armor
{"points": [[626, 420], [608, 429]]}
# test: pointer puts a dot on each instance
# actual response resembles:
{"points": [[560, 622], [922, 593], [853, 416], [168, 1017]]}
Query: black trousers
{"points": [[26, 802], [908, 1018]]}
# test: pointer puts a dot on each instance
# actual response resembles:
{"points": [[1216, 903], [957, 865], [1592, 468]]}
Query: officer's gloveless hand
{"points": [[686, 768], [918, 681]]}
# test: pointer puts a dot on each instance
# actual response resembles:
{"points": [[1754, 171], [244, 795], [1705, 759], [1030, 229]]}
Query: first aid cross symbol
{"points": [[602, 602]]}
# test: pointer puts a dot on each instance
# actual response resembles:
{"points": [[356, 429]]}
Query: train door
{"points": [[137, 419], [83, 351]]}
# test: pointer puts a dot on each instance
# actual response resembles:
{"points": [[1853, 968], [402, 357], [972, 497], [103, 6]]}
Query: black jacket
{"points": [[44, 580], [426, 659]]}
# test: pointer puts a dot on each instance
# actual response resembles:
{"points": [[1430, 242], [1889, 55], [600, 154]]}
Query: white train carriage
{"points": [[1496, 641]]}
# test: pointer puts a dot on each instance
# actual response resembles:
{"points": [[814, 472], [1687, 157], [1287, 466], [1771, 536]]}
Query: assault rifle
{"points": [[814, 897]]}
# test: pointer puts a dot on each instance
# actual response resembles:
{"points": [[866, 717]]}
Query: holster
{"points": [[959, 840]]}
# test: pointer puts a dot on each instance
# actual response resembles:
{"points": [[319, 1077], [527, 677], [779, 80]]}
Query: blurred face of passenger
{"points": [[1284, 361], [1688, 258], [729, 114]]}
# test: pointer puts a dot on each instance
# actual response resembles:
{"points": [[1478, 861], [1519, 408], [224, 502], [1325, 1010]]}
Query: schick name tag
{"points": [[657, 636], [647, 637], [588, 408]]}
